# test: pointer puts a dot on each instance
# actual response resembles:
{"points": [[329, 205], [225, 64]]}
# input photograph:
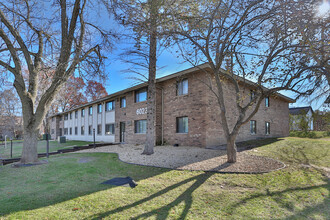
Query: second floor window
{"points": [[83, 112], [109, 106], [182, 87], [252, 95], [66, 117], [99, 108], [90, 110], [70, 115], [267, 101], [76, 114], [123, 102], [141, 95]]}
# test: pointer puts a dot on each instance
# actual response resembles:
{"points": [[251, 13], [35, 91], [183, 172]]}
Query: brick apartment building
{"points": [[187, 113]]}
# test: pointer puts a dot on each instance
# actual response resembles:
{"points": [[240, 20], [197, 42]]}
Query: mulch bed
{"points": [[192, 158], [246, 163]]}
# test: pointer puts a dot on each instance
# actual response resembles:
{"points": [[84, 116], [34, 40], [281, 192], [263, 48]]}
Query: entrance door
{"points": [[122, 132]]}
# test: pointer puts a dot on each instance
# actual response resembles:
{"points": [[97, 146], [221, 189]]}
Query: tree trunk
{"points": [[231, 149], [30, 154], [150, 136]]}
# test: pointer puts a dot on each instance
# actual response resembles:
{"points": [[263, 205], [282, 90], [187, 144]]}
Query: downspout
{"points": [[162, 116]]}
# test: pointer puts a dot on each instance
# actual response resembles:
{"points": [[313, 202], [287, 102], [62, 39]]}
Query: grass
{"points": [[66, 189], [42, 147]]}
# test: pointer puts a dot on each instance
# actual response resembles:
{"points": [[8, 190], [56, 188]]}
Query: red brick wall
{"points": [[128, 115], [277, 114], [192, 105]]}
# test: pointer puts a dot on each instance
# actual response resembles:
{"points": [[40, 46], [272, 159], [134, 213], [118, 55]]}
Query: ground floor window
{"points": [[99, 129], [65, 131], [109, 129], [182, 125], [53, 131], [70, 131], [76, 130], [253, 127], [267, 127], [82, 130], [90, 130], [140, 126]]}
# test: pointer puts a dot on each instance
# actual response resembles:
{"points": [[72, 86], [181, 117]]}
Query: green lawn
{"points": [[42, 145], [67, 189]]}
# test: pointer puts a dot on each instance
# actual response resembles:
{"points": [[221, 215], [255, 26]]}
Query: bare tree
{"points": [[246, 40], [42, 35], [145, 20]]}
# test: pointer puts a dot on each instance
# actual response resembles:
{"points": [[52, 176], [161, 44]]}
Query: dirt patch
{"points": [[86, 159], [192, 158]]}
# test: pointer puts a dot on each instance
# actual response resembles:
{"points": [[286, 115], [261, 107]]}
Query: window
{"points": [[76, 114], [99, 108], [65, 131], [141, 95], [267, 101], [267, 127], [76, 130], [66, 117], [83, 112], [110, 129], [123, 102], [60, 118], [82, 130], [53, 118], [90, 110], [90, 130], [52, 131], [140, 126], [70, 115], [70, 131], [110, 106], [99, 129], [182, 87], [253, 127], [182, 125], [252, 95]]}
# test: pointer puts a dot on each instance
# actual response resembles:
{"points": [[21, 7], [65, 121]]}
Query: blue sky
{"points": [[118, 80]]}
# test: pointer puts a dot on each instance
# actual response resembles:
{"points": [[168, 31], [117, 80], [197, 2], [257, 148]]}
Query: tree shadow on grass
{"points": [[63, 179], [251, 144], [307, 212], [279, 198], [164, 211]]}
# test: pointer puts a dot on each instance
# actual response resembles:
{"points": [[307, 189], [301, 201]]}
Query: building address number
{"points": [[141, 111]]}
